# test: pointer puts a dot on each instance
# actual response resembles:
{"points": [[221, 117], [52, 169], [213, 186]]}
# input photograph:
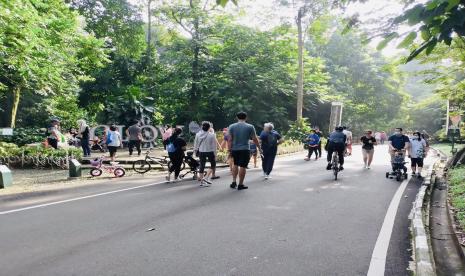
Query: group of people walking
{"points": [[416, 146], [237, 139], [242, 142]]}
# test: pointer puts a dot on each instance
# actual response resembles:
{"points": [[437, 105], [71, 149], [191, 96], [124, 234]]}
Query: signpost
{"points": [[454, 118], [335, 118]]}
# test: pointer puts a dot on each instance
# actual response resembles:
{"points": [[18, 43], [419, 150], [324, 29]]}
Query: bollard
{"points": [[6, 178], [75, 168]]}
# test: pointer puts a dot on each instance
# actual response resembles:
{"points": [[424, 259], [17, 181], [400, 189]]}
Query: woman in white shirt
{"points": [[113, 141], [206, 145], [417, 152]]}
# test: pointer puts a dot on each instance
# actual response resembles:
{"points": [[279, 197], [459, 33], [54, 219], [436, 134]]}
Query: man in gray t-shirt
{"points": [[241, 133], [134, 134]]}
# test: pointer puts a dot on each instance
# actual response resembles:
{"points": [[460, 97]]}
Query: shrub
{"points": [[23, 136], [298, 130]]}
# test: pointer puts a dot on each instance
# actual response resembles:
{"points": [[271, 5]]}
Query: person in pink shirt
{"points": [[166, 135]]}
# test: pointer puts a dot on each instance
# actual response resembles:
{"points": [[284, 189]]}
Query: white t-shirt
{"points": [[115, 139], [417, 148], [348, 134]]}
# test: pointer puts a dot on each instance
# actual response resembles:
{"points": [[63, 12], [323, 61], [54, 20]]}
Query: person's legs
{"points": [[138, 147], [131, 146], [265, 161], [177, 166], [370, 157], [241, 160], [203, 160], [235, 167], [340, 152], [413, 162], [212, 160], [310, 152], [319, 150], [271, 158], [420, 166], [365, 157], [329, 156], [112, 151]]}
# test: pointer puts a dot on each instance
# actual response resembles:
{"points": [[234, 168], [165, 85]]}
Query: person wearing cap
{"points": [[54, 135]]}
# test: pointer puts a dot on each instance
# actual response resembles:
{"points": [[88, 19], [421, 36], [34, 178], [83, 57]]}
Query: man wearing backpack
{"points": [[240, 133], [270, 139]]}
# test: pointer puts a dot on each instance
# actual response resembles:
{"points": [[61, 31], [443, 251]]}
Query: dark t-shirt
{"points": [[366, 142], [134, 133], [85, 133], [268, 141], [398, 142], [178, 143]]}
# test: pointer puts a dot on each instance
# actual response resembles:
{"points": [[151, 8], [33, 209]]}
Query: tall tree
{"points": [[42, 50], [306, 12]]}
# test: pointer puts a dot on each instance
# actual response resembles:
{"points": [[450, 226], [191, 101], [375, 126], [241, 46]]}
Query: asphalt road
{"points": [[300, 222]]}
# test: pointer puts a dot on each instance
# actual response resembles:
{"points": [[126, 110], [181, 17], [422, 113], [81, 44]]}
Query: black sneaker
{"points": [[328, 167], [215, 177], [242, 187], [233, 185], [341, 168]]}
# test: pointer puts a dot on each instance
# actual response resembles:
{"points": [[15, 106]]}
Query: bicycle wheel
{"points": [[335, 171], [398, 176], [141, 166], [119, 172], [96, 172]]}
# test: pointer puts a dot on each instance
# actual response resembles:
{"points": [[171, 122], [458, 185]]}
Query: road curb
{"points": [[422, 250]]}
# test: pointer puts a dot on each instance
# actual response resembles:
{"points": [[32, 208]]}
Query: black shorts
{"points": [[112, 150], [417, 162], [241, 158]]}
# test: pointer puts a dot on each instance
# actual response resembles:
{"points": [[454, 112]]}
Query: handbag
{"points": [[197, 152]]}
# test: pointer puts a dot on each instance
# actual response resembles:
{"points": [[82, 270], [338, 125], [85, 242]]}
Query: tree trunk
{"points": [[300, 76], [195, 93], [14, 109], [149, 34]]}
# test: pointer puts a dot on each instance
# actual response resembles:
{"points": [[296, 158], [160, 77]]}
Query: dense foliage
{"points": [[90, 59]]}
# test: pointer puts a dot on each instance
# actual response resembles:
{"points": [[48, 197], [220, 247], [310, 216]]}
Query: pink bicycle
{"points": [[99, 167]]}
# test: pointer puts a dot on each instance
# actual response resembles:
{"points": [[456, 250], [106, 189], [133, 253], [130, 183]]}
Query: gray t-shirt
{"points": [[241, 133], [134, 132]]}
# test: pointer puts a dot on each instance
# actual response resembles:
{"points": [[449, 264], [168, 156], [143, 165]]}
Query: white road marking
{"points": [[378, 258], [82, 197], [78, 198]]}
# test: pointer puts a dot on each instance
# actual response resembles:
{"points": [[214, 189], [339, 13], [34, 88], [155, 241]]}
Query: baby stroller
{"points": [[193, 165], [399, 170]]}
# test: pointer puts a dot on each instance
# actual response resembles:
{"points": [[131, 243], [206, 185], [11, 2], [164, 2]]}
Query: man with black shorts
{"points": [[240, 133]]}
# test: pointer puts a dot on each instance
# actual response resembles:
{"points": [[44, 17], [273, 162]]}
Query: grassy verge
{"points": [[446, 148], [457, 192]]}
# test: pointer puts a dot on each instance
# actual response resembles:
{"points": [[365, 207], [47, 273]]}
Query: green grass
{"points": [[457, 192], [446, 148]]}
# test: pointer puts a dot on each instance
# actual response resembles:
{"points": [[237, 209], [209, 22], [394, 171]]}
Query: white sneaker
{"points": [[269, 177], [368, 167]]}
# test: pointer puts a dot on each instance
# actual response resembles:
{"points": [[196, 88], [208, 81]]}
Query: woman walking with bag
{"points": [[113, 141], [175, 147], [205, 147]]}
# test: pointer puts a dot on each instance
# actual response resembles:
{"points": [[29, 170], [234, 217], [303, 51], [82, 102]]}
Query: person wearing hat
{"points": [[53, 133]]}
